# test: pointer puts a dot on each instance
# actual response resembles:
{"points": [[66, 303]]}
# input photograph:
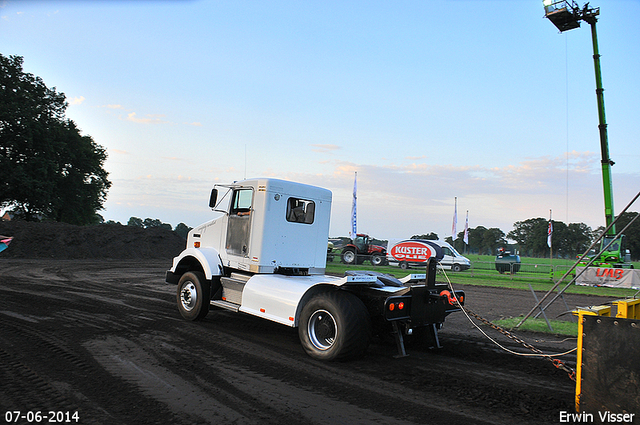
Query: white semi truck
{"points": [[264, 254]]}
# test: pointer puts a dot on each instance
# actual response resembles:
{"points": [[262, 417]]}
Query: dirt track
{"points": [[104, 338]]}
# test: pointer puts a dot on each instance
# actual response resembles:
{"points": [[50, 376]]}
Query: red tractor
{"points": [[362, 249]]}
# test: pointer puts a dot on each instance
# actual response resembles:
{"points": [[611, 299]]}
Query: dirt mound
{"points": [[67, 242]]}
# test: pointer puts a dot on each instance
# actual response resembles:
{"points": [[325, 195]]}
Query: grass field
{"points": [[540, 273], [540, 325]]}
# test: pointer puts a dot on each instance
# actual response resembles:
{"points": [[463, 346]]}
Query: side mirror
{"points": [[213, 198]]}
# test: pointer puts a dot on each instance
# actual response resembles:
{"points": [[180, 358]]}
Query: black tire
{"points": [[377, 259], [193, 296], [334, 326], [404, 265], [349, 256], [456, 268]]}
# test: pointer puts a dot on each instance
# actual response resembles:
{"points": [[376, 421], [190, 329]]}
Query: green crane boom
{"points": [[566, 15], [607, 184]]}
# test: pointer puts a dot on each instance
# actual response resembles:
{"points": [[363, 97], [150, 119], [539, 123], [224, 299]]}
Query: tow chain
{"points": [[559, 364]]}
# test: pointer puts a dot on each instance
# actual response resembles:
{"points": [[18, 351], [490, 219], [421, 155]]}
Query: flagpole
{"points": [[465, 237], [354, 227], [454, 226], [550, 232]]}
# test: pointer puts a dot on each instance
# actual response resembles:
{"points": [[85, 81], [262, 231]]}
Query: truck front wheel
{"points": [[334, 326], [193, 296]]}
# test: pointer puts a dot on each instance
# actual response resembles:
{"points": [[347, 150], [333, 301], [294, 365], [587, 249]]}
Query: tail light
{"points": [[396, 308]]}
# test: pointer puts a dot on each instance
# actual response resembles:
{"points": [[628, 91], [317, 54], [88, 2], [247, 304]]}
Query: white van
{"points": [[452, 260], [397, 250]]}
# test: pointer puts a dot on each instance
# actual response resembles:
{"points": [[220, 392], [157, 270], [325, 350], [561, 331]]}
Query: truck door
{"points": [[239, 227]]}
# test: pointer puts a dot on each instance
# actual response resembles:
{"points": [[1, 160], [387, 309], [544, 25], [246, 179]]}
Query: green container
{"points": [[506, 262]]}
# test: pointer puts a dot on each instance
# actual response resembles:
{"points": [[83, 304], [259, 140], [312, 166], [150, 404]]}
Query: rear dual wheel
{"points": [[334, 326]]}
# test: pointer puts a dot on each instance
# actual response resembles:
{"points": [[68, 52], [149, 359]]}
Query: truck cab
{"points": [[264, 253], [265, 226]]}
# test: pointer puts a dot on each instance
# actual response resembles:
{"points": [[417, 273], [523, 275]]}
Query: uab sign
{"points": [[608, 276]]}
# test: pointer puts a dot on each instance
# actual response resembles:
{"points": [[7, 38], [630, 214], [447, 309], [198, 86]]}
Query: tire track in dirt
{"points": [[22, 386], [126, 360], [109, 339], [362, 384]]}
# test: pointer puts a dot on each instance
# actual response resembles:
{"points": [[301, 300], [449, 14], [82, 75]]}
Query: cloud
{"points": [[325, 148], [77, 100], [403, 200], [133, 116], [150, 119]]}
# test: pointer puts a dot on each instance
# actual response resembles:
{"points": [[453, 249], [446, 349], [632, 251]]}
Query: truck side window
{"points": [[241, 204], [300, 210]]}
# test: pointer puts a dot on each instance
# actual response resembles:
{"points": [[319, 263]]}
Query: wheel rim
{"points": [[188, 296], [376, 260], [322, 329], [349, 256]]}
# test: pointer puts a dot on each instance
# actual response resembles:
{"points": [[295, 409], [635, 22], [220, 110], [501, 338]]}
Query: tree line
{"points": [[531, 238], [181, 229]]}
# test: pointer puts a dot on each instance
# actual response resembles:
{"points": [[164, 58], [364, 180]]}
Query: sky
{"points": [[433, 103]]}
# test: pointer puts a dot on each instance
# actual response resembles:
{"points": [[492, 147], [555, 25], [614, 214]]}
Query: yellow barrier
{"points": [[629, 308], [599, 310], [626, 309]]}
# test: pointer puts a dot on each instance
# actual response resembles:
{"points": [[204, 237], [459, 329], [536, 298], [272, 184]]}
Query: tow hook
{"points": [[450, 297]]}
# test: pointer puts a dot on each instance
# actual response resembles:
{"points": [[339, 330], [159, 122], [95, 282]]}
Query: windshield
{"points": [[615, 246], [455, 253]]}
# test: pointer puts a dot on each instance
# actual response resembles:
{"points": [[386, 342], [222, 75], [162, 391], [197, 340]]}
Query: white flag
{"points": [[466, 230], [549, 232], [454, 227], [353, 208]]}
